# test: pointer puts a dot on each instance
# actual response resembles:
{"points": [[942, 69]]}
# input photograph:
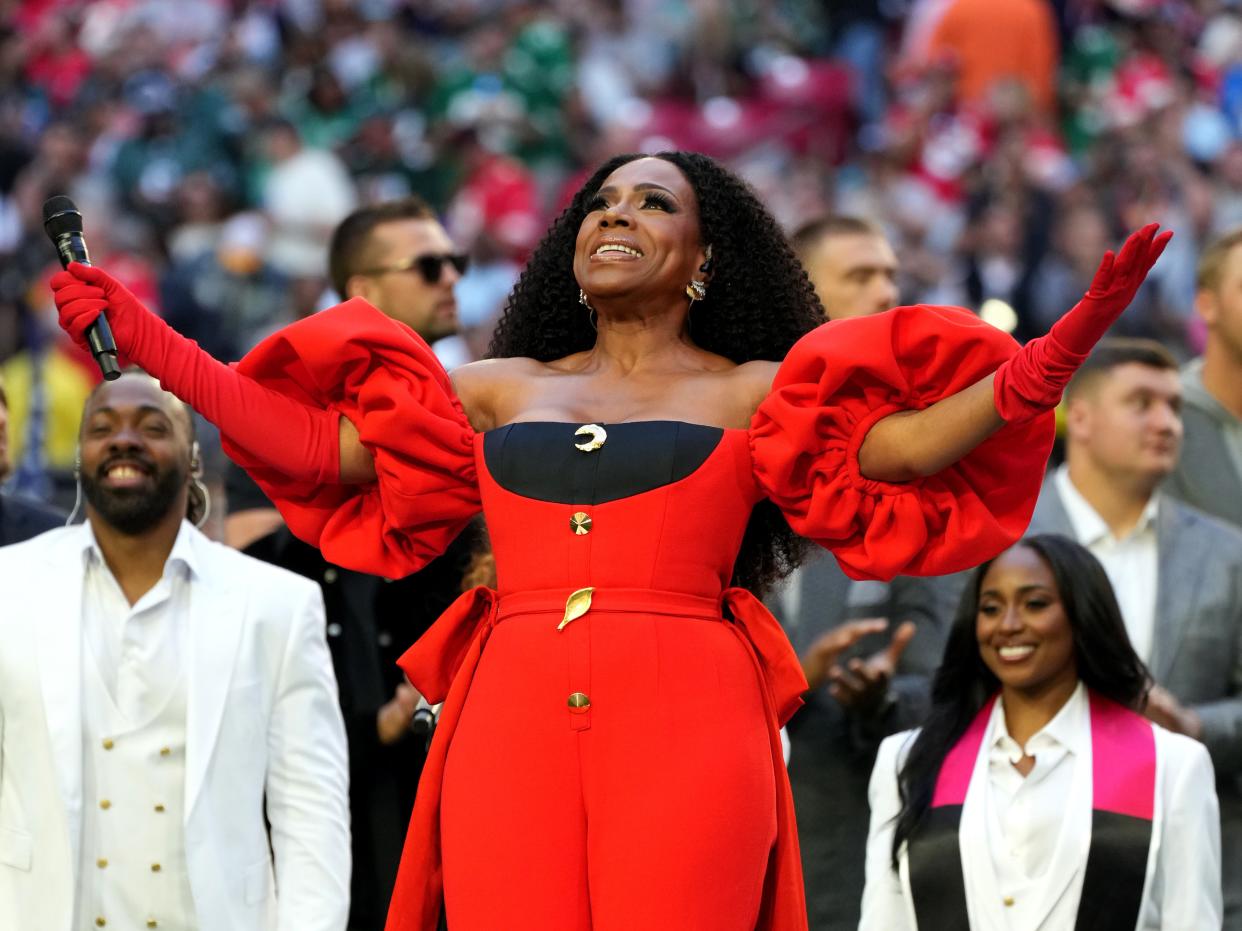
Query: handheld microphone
{"points": [[63, 224], [423, 722]]}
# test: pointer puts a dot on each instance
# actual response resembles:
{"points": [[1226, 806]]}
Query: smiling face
{"points": [[135, 449], [1024, 634], [640, 237]]}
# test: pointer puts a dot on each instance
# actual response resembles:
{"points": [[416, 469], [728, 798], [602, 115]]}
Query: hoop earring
{"points": [[696, 290], [77, 482], [206, 493]]}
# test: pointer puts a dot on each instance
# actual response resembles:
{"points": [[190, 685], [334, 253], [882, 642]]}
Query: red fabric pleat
{"points": [[840, 379], [388, 382]]}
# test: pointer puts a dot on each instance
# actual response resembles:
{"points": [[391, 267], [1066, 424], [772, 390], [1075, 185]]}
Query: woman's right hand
{"points": [[301, 441], [83, 292]]}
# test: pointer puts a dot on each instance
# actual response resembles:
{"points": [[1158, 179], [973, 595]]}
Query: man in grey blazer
{"points": [[868, 678], [1209, 475], [1177, 572]]}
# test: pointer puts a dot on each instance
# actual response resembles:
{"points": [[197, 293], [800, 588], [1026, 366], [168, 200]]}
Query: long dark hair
{"points": [[1107, 664], [759, 303]]}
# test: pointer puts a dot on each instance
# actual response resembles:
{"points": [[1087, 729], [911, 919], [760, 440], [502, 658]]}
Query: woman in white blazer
{"points": [[1036, 796]]}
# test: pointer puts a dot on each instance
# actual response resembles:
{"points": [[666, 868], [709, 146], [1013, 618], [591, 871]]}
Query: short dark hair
{"points": [[809, 234], [1111, 353], [351, 238]]}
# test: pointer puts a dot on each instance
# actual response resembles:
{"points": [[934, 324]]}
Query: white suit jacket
{"points": [[1182, 891], [262, 725]]}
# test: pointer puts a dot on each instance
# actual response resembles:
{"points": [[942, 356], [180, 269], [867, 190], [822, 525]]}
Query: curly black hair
{"points": [[759, 303]]}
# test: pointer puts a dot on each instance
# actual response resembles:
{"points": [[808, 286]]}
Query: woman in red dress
{"points": [[608, 755]]}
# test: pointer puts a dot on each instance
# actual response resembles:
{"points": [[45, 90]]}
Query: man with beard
{"points": [[19, 519], [163, 700]]}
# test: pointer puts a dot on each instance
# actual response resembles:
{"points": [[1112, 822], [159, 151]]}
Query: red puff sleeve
{"points": [[840, 379], [388, 382]]}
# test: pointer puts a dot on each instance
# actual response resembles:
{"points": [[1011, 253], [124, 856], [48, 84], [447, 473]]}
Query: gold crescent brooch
{"points": [[598, 437]]}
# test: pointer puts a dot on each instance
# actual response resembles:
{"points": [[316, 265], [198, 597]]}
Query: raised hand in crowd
{"points": [[862, 683]]}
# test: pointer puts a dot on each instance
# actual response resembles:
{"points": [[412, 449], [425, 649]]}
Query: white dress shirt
{"points": [[1026, 813], [1131, 562], [138, 649]]}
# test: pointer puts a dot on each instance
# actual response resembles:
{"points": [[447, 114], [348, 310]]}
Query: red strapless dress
{"points": [[608, 753]]}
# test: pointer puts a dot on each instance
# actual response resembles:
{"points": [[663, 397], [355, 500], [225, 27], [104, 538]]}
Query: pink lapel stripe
{"points": [[959, 764], [1124, 772]]}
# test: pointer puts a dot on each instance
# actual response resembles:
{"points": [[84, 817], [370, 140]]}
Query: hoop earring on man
{"points": [[77, 482], [196, 481]]}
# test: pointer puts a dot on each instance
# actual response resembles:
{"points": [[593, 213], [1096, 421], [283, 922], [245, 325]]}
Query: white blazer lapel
{"points": [[216, 620], [59, 652], [982, 901]]}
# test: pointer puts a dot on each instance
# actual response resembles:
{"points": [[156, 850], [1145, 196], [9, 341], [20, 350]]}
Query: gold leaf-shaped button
{"points": [[598, 437], [576, 605], [580, 523], [579, 703]]}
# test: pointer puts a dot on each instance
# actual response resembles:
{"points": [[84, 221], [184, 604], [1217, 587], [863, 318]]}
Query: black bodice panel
{"points": [[541, 460]]}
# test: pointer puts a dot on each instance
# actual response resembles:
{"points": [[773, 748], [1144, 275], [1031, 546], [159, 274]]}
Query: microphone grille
{"points": [[60, 215]]}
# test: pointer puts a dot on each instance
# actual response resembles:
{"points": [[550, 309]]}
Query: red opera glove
{"points": [[300, 441], [1033, 380]]}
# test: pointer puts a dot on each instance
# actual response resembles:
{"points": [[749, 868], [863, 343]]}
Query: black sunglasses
{"points": [[429, 266]]}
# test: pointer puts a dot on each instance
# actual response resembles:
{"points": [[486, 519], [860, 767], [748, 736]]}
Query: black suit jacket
{"points": [[21, 519], [370, 623], [832, 751]]}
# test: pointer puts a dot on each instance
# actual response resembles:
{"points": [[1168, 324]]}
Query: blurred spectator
{"points": [[230, 297], [867, 648], [850, 263], [988, 40], [20, 518], [1209, 474], [1175, 570], [305, 193]]}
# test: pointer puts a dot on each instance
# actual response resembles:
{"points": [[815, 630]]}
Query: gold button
{"points": [[101, 862], [579, 703], [159, 808], [329, 575], [1008, 900], [105, 804], [107, 744], [152, 923], [155, 867], [164, 751], [580, 523], [100, 921]]}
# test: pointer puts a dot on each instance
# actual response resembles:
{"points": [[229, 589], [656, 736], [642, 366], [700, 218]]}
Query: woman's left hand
{"points": [[1034, 379]]}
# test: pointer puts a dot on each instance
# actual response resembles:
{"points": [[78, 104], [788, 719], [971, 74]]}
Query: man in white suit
{"points": [[159, 695]]}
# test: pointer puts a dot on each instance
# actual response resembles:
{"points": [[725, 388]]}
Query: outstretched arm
{"points": [[914, 444], [304, 442]]}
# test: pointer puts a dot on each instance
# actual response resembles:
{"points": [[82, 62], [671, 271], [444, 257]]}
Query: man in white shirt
{"points": [[1176, 571], [161, 697]]}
